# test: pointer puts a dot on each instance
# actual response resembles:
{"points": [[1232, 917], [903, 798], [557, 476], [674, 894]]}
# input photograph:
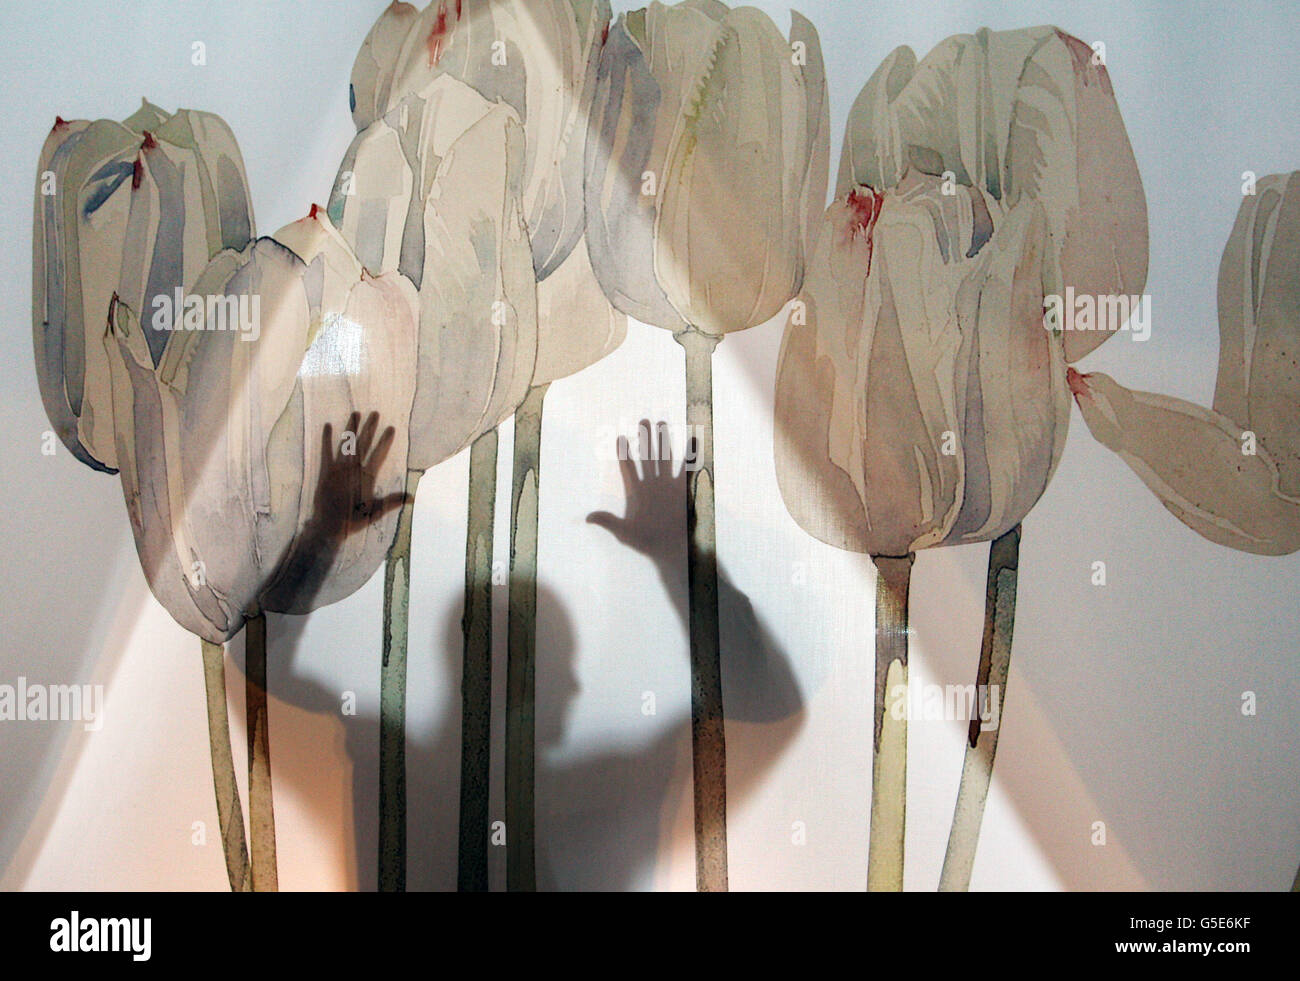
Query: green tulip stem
{"points": [[990, 685], [230, 814], [889, 735], [261, 808], [708, 737], [476, 678], [392, 699], [521, 666]]}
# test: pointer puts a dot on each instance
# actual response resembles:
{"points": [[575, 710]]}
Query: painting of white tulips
{"points": [[570, 256]]}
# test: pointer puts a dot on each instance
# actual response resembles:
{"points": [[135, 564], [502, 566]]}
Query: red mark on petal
{"points": [[437, 38], [137, 175], [1078, 383], [148, 143], [1087, 67], [60, 122], [315, 210], [604, 36], [864, 206]]}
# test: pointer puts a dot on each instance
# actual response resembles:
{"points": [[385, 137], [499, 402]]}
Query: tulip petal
{"points": [[349, 369], [817, 115], [478, 314], [622, 174], [374, 204], [376, 64], [91, 169], [173, 572], [1259, 323], [1067, 148], [1017, 403], [576, 325], [1193, 460]]}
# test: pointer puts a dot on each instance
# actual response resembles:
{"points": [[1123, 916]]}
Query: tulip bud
{"points": [[922, 403], [705, 117], [234, 503], [134, 213]]}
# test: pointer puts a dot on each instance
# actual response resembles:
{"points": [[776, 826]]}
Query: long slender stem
{"points": [[708, 738], [476, 679], [392, 700], [230, 814], [521, 666], [261, 808], [990, 690], [889, 745]]}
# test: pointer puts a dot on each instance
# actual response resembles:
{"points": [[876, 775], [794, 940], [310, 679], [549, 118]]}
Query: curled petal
{"points": [[1195, 461]]}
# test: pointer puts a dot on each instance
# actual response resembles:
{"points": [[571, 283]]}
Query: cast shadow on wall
{"points": [[601, 817]]}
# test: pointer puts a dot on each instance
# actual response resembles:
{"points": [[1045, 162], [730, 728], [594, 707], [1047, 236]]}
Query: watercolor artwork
{"points": [[588, 487]]}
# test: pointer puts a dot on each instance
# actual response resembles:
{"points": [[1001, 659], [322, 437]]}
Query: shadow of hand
{"points": [[345, 501], [655, 519], [344, 504]]}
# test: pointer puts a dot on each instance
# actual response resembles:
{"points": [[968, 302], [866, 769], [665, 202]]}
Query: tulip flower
{"points": [[706, 169], [920, 401], [122, 208], [237, 506], [434, 190]]}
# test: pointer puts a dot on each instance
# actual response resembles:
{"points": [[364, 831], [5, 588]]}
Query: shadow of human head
{"points": [[556, 666]]}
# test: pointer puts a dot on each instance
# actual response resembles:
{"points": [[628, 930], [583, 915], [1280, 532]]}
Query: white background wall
{"points": [[1124, 701]]}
